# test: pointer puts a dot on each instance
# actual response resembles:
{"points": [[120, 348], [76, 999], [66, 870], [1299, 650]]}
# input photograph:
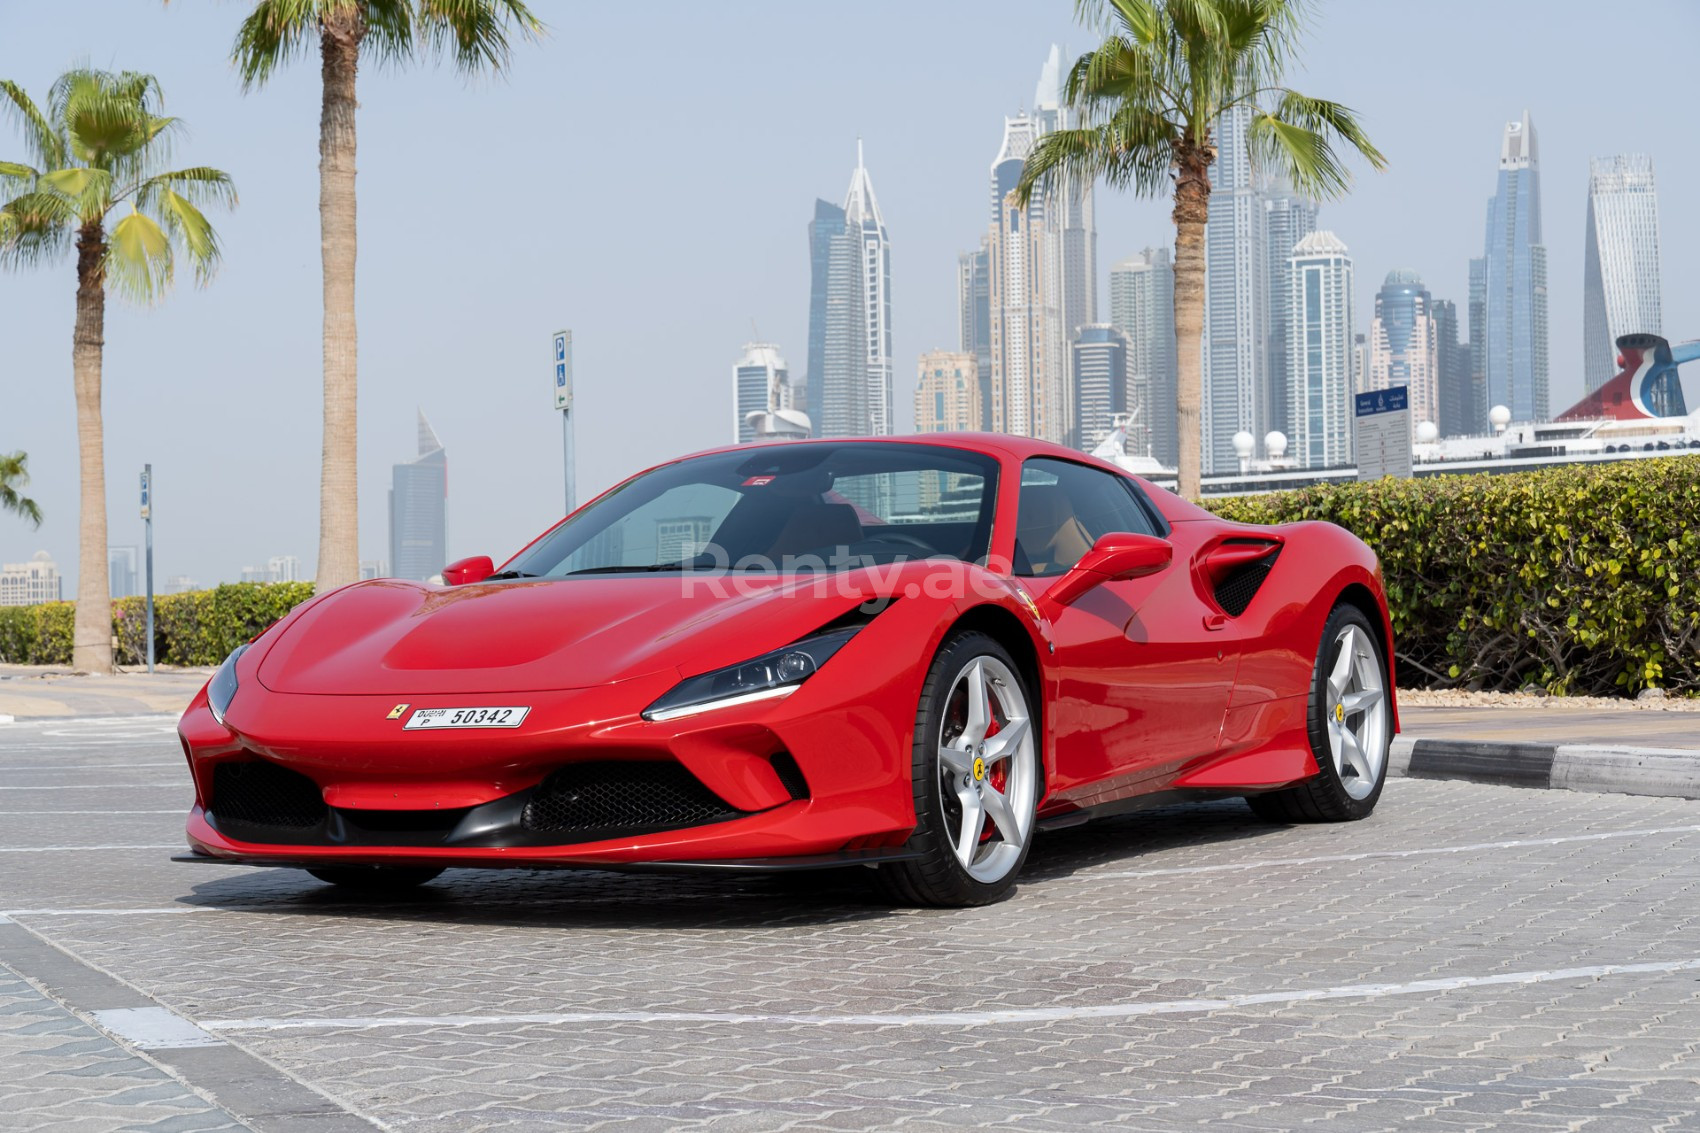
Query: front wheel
{"points": [[375, 878], [976, 779], [1350, 721]]}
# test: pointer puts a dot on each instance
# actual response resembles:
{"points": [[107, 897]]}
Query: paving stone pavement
{"points": [[1455, 962]]}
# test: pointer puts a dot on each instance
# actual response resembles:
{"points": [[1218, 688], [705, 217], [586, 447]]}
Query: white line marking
{"points": [[92, 766], [131, 912], [61, 849], [1473, 847], [965, 1018], [102, 787], [174, 810], [153, 1028]]}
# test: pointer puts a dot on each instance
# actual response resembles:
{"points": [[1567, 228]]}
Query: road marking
{"points": [[1474, 847], [61, 849], [129, 912], [91, 766], [153, 1028], [174, 810], [103, 787], [966, 1018]]}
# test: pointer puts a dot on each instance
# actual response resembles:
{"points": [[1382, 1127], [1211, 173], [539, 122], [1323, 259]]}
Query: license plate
{"points": [[465, 718]]}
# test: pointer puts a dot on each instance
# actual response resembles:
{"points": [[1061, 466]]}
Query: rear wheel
{"points": [[375, 878], [976, 779], [1351, 728]]}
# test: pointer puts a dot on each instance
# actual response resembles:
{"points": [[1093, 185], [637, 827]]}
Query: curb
{"points": [[1663, 772]]}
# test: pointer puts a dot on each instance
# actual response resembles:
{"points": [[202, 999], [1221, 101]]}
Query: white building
{"points": [[862, 215], [1319, 355], [761, 385], [1620, 267], [1404, 345], [31, 583]]}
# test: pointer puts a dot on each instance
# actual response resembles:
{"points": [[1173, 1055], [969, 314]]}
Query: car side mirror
{"points": [[463, 572], [1117, 555]]}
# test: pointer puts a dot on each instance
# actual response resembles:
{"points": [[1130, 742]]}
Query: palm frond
{"points": [[1297, 139], [182, 220], [89, 191], [105, 118], [14, 475], [276, 32], [201, 185], [35, 228], [139, 260], [1134, 149], [476, 34], [42, 140], [16, 177]]}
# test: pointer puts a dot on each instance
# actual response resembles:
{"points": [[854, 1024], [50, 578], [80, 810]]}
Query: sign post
{"points": [[1381, 433], [563, 375], [147, 522]]}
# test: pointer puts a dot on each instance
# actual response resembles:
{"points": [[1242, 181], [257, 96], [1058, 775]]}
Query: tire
{"points": [[375, 878], [976, 794], [1350, 726]]}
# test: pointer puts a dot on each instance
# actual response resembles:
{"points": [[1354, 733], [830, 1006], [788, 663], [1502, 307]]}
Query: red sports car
{"points": [[903, 653]]}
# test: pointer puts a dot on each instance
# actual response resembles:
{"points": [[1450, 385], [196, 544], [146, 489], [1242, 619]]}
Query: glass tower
{"points": [[1319, 353], [1620, 267], [1142, 307], [418, 510], [1515, 295]]}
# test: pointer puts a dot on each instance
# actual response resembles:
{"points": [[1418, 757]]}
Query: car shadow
{"points": [[593, 899]]}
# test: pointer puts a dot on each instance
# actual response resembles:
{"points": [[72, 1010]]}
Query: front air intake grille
{"points": [[1235, 590], [622, 798], [258, 793], [790, 775]]}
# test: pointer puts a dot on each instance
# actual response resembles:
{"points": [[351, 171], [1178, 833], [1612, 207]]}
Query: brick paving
{"points": [[589, 1001]]}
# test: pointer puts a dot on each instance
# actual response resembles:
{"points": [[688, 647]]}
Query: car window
{"points": [[1064, 508]]}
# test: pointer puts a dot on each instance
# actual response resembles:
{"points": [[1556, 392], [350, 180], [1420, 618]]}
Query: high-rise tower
{"points": [[1404, 344], [837, 380], [418, 513], [862, 215], [974, 321], [1142, 307], [1515, 295], [1319, 352], [1620, 267]]}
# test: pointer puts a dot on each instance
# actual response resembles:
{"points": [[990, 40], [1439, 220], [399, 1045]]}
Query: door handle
{"points": [[1215, 621]]}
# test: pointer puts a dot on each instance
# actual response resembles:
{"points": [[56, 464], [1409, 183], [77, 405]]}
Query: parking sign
{"points": [[563, 362]]}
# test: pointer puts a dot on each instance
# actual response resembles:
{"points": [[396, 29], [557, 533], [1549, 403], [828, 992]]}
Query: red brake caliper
{"points": [[997, 775]]}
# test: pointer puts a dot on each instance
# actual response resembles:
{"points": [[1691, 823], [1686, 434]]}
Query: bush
{"points": [[197, 628], [1579, 578]]}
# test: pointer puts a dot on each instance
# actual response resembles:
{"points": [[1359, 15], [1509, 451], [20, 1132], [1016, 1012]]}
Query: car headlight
{"points": [[766, 677], [221, 690]]}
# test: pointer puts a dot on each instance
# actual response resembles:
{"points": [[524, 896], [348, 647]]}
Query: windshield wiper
{"points": [[646, 568], [506, 574]]}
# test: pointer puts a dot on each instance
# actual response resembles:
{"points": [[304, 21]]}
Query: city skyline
{"points": [[421, 345]]}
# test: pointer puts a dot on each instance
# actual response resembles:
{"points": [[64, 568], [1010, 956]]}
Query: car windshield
{"points": [[784, 508]]}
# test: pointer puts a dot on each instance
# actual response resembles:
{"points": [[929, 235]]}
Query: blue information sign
{"points": [[1383, 401]]}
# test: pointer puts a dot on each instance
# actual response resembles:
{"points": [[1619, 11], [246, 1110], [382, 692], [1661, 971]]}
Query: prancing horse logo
{"points": [[395, 713]]}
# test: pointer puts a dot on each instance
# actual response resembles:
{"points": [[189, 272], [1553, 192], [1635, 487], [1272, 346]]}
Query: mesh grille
{"points": [[622, 797], [1235, 591], [790, 775], [258, 793]]}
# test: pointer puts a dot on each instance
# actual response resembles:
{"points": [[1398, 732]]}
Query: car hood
{"points": [[405, 638]]}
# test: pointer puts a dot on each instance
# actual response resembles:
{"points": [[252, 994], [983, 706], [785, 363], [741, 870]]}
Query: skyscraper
{"points": [[761, 384], [1255, 222], [947, 392], [1098, 364], [1620, 267], [1515, 299], [121, 571], [974, 321], [1042, 272], [1404, 344], [1319, 355], [1477, 410], [1142, 307], [1453, 388], [838, 365], [418, 510], [862, 215]]}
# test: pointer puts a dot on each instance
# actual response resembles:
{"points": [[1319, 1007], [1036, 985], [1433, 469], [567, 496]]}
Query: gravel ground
{"points": [[1457, 698]]}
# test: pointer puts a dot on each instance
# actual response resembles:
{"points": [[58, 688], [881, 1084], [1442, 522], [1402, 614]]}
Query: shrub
{"points": [[1578, 578], [197, 628]]}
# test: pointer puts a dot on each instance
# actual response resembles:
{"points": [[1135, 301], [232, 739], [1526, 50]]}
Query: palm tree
{"points": [[1149, 98], [14, 474], [101, 146], [475, 33]]}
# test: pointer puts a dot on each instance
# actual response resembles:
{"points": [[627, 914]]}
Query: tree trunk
{"points": [[1192, 210], [91, 641], [339, 505]]}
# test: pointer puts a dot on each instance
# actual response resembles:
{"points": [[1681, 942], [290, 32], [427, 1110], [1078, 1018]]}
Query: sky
{"points": [[645, 176]]}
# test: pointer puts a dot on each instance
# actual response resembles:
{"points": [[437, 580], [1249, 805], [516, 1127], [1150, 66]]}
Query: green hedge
{"points": [[197, 628], [1583, 579]]}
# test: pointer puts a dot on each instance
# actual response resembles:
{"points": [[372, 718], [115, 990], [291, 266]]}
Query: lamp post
{"points": [[147, 522], [563, 373]]}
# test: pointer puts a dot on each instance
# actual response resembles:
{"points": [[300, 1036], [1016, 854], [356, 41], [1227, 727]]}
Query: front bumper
{"points": [[469, 790]]}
